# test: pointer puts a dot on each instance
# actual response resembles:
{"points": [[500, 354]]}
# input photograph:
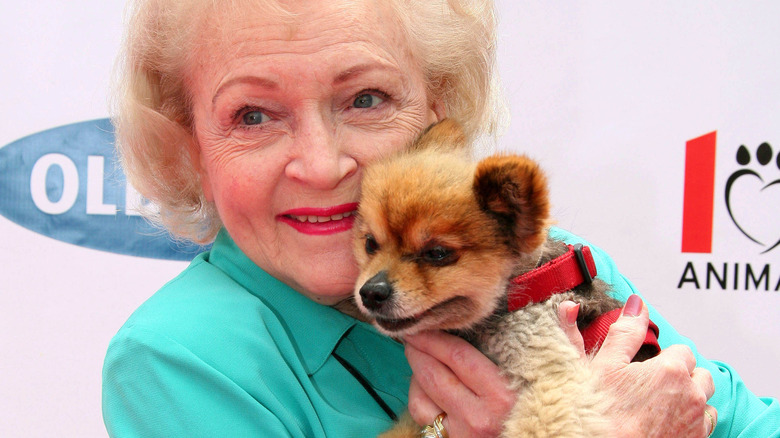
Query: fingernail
{"points": [[571, 315], [633, 306]]}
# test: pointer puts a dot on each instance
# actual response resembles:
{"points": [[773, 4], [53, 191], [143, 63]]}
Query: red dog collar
{"points": [[594, 334], [561, 274], [558, 275]]}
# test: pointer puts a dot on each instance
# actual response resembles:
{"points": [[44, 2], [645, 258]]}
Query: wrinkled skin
{"points": [[286, 116], [661, 397]]}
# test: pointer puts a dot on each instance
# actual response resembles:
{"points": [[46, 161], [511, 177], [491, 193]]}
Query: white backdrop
{"points": [[604, 95]]}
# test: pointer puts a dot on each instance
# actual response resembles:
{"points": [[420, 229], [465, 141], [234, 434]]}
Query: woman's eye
{"points": [[367, 100], [254, 117]]}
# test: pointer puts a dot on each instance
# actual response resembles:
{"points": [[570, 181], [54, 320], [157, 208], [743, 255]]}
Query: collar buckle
{"points": [[583, 265]]}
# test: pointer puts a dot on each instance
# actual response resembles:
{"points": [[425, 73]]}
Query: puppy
{"points": [[438, 238]]}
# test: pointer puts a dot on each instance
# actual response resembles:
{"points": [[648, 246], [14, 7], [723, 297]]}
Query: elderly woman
{"points": [[248, 123]]}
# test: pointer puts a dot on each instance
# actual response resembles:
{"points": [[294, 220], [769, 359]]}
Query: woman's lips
{"points": [[321, 221]]}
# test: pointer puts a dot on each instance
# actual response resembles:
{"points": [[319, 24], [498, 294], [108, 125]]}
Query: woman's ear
{"points": [[436, 111], [196, 160]]}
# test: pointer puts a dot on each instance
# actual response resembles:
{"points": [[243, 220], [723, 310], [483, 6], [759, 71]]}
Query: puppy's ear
{"points": [[513, 189], [444, 135]]}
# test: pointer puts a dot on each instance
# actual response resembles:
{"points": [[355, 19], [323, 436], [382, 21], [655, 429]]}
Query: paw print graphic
{"points": [[753, 196]]}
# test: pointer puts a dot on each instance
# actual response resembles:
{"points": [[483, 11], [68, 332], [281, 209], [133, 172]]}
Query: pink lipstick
{"points": [[321, 221]]}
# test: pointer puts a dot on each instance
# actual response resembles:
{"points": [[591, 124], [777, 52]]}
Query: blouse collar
{"points": [[314, 328]]}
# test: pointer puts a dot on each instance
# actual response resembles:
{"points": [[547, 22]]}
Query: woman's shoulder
{"points": [[202, 314], [219, 347], [201, 297]]}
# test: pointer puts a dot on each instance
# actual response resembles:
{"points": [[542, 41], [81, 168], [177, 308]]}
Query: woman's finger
{"points": [[460, 381], [679, 353], [465, 363], [421, 407], [626, 335], [437, 380], [703, 380], [567, 315], [710, 419]]}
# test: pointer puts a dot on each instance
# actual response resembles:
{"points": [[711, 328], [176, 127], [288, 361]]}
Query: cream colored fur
{"points": [[559, 396]]}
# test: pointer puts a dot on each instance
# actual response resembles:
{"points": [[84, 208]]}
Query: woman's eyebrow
{"points": [[270, 84], [251, 80], [361, 69]]}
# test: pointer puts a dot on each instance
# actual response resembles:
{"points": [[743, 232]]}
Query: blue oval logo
{"points": [[66, 183]]}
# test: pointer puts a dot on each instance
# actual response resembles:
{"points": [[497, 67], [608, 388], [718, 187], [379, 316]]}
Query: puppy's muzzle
{"points": [[376, 291]]}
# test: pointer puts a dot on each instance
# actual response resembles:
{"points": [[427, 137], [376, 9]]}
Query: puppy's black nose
{"points": [[376, 291]]}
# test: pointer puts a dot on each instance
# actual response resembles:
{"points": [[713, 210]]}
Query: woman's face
{"points": [[286, 116]]}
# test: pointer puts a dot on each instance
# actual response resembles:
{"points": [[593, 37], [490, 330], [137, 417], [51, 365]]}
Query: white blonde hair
{"points": [[453, 41]]}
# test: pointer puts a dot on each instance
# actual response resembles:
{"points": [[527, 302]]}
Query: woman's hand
{"points": [[664, 396], [450, 375], [661, 397]]}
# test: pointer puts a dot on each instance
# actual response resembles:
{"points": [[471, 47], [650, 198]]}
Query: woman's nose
{"points": [[319, 159]]}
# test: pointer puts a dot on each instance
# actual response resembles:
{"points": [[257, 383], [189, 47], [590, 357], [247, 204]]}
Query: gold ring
{"points": [[435, 430], [427, 432], [438, 426], [712, 422]]}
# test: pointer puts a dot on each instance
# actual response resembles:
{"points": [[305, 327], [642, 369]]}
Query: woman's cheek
{"points": [[378, 141]]}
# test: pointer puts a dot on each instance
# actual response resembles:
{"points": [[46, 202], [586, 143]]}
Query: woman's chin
{"points": [[328, 296], [328, 286]]}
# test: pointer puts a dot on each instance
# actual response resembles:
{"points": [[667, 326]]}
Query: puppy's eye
{"points": [[439, 256], [371, 245]]}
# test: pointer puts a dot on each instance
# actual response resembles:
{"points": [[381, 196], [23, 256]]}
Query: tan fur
{"points": [[437, 239]]}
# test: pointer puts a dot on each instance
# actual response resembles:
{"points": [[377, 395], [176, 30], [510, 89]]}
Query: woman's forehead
{"points": [[302, 21], [325, 36]]}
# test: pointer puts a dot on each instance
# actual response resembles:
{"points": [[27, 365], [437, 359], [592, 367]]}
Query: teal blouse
{"points": [[226, 350]]}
